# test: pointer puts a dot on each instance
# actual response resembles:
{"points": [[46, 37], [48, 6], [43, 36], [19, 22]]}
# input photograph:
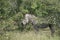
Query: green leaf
{"points": [[34, 5]]}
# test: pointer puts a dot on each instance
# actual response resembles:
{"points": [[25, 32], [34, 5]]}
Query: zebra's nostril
{"points": [[22, 24]]}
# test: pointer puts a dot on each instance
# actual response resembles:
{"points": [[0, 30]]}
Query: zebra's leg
{"points": [[36, 28], [52, 29]]}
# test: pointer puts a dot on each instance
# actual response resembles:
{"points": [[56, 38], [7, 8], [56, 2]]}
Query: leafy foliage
{"points": [[12, 11]]}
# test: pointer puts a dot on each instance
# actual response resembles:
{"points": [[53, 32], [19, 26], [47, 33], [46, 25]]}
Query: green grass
{"points": [[16, 35]]}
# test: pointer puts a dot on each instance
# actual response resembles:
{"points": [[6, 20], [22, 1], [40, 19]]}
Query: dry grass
{"points": [[16, 35]]}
